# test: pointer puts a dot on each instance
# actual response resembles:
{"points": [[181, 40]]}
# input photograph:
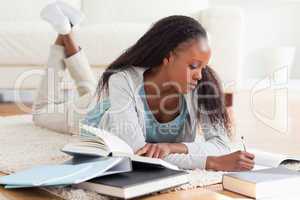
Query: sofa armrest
{"points": [[224, 26]]}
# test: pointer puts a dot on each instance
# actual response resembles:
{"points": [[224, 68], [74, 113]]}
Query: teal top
{"points": [[155, 131], [163, 132], [93, 117]]}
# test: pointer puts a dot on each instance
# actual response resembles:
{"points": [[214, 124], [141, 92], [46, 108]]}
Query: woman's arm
{"points": [[194, 154], [122, 119], [210, 154], [213, 142], [188, 155], [237, 161]]}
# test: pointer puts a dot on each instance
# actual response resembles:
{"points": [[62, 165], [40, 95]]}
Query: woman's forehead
{"points": [[198, 51], [202, 46]]}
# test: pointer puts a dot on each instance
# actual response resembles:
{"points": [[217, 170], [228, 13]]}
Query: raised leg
{"points": [[78, 65], [51, 109]]}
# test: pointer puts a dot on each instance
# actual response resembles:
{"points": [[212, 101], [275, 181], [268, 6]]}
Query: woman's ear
{"points": [[168, 59]]}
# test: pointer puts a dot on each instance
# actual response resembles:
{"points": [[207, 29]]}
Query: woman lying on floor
{"points": [[156, 96]]}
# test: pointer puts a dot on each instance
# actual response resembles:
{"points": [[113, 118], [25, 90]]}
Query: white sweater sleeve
{"points": [[213, 143], [122, 118]]}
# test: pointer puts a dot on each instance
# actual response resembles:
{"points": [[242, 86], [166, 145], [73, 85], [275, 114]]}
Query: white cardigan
{"points": [[125, 118]]}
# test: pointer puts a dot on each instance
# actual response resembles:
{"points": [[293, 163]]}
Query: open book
{"points": [[98, 142], [268, 160]]}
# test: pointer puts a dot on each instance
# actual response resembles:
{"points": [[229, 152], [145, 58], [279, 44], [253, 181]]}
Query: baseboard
{"points": [[9, 95]]}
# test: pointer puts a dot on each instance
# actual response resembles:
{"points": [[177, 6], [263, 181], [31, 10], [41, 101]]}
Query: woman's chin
{"points": [[187, 90]]}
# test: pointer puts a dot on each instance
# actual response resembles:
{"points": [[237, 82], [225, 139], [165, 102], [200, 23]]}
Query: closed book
{"points": [[264, 183], [140, 181]]}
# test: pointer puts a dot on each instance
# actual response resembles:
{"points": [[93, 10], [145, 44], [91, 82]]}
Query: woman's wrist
{"points": [[211, 163], [178, 148]]}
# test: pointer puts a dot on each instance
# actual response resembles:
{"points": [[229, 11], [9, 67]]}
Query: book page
{"points": [[294, 158], [266, 159], [114, 143]]}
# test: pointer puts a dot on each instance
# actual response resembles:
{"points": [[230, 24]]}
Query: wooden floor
{"points": [[7, 109]]}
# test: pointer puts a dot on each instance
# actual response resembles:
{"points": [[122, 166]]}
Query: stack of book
{"points": [[103, 163]]}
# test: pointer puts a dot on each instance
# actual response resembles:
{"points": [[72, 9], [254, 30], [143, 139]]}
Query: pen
{"points": [[243, 142]]}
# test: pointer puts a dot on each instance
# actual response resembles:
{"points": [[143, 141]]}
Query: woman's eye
{"points": [[193, 66]]}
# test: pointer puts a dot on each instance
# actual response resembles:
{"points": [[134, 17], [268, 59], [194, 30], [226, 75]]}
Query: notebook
{"points": [[98, 142], [265, 160], [141, 181], [264, 183], [74, 171]]}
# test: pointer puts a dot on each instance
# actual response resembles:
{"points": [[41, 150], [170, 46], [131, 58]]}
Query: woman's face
{"points": [[184, 66]]}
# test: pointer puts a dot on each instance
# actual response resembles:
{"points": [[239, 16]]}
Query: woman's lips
{"points": [[192, 85]]}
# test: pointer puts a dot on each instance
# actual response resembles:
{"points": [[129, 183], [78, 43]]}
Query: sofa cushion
{"points": [[105, 42], [27, 43], [28, 10], [110, 11]]}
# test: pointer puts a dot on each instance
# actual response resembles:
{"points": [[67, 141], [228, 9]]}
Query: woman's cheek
{"points": [[189, 76], [186, 80]]}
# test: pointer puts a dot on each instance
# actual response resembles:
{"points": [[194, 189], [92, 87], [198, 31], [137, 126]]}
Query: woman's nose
{"points": [[197, 75]]}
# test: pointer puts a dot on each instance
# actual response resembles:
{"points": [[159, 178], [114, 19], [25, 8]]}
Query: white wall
{"points": [[267, 23]]}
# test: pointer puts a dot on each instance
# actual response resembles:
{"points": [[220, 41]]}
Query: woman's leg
{"points": [[78, 66], [50, 109]]}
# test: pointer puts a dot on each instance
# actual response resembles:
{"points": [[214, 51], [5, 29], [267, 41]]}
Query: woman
{"points": [[156, 96]]}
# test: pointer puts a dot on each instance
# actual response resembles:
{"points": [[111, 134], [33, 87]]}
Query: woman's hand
{"points": [[161, 150], [237, 161], [158, 150]]}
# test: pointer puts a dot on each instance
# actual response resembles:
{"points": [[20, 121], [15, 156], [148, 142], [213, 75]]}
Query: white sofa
{"points": [[110, 27]]}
